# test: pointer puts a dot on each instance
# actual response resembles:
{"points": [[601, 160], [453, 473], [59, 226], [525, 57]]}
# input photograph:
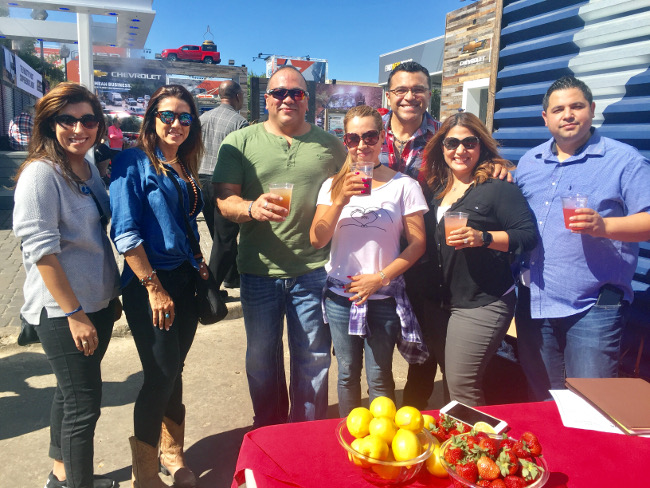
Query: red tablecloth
{"points": [[308, 455]]}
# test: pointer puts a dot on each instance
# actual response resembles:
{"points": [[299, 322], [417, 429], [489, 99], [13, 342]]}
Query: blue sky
{"points": [[350, 34]]}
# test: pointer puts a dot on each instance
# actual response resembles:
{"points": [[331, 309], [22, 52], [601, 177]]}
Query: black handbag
{"points": [[212, 306], [27, 334]]}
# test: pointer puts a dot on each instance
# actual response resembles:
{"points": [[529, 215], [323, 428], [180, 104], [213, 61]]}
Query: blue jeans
{"points": [[383, 325], [78, 394], [584, 345], [265, 302]]}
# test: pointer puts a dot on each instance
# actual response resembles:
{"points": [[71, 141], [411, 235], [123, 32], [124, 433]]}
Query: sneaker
{"points": [[98, 482]]}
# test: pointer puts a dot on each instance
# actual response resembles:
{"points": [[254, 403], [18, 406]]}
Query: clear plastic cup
{"points": [[570, 204], [283, 190], [453, 221]]}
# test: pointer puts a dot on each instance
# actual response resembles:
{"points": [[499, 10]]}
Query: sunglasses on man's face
{"points": [[452, 143], [369, 138], [89, 121], [167, 117], [281, 93]]}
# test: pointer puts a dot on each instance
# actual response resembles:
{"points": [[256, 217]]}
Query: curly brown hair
{"points": [[436, 171], [191, 150], [43, 144]]}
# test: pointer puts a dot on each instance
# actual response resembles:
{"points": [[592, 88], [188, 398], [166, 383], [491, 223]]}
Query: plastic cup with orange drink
{"points": [[283, 190], [454, 221]]}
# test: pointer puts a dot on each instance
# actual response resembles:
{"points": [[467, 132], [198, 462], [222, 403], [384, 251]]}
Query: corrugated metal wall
{"points": [[606, 43]]}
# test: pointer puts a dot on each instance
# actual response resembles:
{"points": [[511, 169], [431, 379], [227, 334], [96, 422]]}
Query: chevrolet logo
{"points": [[474, 46]]}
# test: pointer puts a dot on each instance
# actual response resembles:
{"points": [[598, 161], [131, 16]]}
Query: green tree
{"points": [[434, 108]]}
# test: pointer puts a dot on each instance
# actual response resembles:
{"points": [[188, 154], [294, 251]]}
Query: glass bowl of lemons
{"points": [[388, 448]]}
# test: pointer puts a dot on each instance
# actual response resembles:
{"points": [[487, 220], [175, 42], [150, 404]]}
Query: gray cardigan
{"points": [[50, 217]]}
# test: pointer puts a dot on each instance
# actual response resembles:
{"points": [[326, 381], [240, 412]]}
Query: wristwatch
{"points": [[385, 281], [487, 239]]}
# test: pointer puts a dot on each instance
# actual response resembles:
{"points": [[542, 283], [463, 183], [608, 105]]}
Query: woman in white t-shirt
{"points": [[364, 300]]}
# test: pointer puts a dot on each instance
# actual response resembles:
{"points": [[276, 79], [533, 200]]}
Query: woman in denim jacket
{"points": [[158, 281]]}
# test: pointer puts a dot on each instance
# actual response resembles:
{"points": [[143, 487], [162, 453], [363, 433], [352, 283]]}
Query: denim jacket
{"points": [[146, 211]]}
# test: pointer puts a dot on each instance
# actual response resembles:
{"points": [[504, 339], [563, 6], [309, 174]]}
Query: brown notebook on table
{"points": [[625, 401]]}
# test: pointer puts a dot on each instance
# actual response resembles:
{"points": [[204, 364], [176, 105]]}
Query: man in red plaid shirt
{"points": [[408, 129], [408, 124], [20, 129]]}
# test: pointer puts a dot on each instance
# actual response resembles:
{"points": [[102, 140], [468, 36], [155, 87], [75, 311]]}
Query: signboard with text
{"points": [[28, 79]]}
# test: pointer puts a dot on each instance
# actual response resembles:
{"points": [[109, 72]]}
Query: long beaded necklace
{"points": [[194, 189]]}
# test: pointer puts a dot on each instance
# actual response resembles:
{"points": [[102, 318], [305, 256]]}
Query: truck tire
{"points": [[208, 60], [172, 57]]}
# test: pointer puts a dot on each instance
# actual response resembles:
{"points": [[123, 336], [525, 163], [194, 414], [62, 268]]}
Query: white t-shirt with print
{"points": [[367, 234]]}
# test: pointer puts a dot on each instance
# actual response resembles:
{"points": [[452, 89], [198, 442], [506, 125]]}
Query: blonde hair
{"points": [[358, 111]]}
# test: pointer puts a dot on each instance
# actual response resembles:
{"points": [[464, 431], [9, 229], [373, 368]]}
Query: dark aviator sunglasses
{"points": [[281, 93], [452, 143], [369, 138], [89, 121], [167, 117]]}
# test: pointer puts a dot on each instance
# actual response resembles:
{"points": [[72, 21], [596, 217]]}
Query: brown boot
{"points": [[145, 465], [172, 439]]}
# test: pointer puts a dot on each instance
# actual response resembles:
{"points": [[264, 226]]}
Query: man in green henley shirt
{"points": [[281, 273]]}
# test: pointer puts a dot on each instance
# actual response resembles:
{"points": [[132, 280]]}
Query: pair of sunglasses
{"points": [[167, 117], [281, 93], [452, 143], [369, 138], [89, 121]]}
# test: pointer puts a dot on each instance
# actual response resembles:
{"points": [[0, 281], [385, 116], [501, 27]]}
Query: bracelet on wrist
{"points": [[148, 278], [78, 309], [250, 208]]}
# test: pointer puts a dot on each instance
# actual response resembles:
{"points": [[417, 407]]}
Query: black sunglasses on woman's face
{"points": [[369, 138], [89, 121], [452, 143]]}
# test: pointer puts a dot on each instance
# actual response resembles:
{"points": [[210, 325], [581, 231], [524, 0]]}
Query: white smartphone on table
{"points": [[470, 416]]}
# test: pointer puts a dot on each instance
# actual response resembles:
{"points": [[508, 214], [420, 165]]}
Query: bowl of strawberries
{"points": [[476, 459]]}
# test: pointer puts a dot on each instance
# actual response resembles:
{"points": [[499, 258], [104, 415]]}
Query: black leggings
{"points": [[162, 352]]}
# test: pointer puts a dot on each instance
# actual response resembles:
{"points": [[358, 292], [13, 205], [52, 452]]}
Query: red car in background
{"points": [[205, 53]]}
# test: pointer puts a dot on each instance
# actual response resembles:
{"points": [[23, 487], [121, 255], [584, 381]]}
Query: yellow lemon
{"points": [[387, 472], [383, 407], [425, 444], [374, 447], [406, 445], [383, 427], [429, 421], [409, 418], [434, 466], [356, 445], [484, 427], [358, 421]]}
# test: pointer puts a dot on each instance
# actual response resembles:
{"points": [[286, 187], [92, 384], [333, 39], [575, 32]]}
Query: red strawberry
{"points": [[468, 471], [471, 441], [529, 470], [498, 483], [487, 469], [520, 449], [439, 433], [512, 481], [488, 445], [507, 443], [454, 452], [487, 483], [532, 443], [481, 435], [508, 463]]}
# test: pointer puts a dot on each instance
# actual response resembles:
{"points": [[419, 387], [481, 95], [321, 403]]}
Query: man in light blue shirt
{"points": [[571, 313]]}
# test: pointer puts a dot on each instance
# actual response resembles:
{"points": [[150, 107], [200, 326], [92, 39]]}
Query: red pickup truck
{"points": [[205, 53]]}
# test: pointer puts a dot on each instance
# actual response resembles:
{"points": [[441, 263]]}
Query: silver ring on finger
{"points": [[84, 343], [266, 204], [466, 240]]}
